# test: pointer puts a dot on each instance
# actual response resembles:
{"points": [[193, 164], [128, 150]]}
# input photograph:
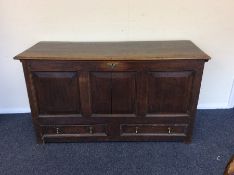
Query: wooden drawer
{"points": [[153, 129], [75, 129]]}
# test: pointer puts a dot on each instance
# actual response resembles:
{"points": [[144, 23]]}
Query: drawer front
{"points": [[153, 129], [75, 129]]}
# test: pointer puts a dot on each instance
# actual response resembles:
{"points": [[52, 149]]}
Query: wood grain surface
{"points": [[133, 50]]}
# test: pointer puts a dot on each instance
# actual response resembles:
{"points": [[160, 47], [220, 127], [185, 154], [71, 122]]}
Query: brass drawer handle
{"points": [[169, 130], [57, 130], [137, 128], [90, 130], [112, 65]]}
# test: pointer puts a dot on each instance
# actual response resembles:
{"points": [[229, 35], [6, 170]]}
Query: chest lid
{"points": [[130, 50]]}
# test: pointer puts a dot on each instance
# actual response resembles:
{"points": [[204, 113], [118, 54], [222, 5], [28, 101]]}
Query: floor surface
{"points": [[212, 146]]}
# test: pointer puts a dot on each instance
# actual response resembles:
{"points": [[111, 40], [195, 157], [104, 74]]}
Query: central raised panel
{"points": [[100, 92], [113, 93], [169, 92], [123, 92]]}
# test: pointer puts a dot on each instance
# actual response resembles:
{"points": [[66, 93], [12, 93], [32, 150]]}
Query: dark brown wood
{"points": [[123, 92], [85, 96], [162, 98], [75, 129], [142, 89], [101, 92], [149, 95], [33, 101], [57, 92], [133, 50], [153, 130]]}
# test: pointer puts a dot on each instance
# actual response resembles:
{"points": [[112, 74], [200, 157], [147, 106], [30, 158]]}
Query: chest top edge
{"points": [[119, 51]]}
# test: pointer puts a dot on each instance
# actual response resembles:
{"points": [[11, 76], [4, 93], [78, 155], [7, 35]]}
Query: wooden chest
{"points": [[113, 91]]}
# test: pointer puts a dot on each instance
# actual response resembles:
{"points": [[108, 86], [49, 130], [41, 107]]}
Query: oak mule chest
{"points": [[113, 91]]}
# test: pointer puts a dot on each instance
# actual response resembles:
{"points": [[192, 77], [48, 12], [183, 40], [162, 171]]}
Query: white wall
{"points": [[209, 23]]}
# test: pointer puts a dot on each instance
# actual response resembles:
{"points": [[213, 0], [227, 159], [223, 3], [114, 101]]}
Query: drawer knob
{"points": [[169, 130], [90, 130], [137, 130], [112, 65], [57, 130]]}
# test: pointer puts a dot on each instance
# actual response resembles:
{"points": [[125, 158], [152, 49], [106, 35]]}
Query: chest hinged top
{"points": [[135, 50]]}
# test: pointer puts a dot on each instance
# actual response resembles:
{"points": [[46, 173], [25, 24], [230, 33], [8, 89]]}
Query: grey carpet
{"points": [[212, 146]]}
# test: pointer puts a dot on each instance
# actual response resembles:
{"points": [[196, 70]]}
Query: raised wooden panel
{"points": [[100, 92], [169, 92], [57, 92], [123, 92]]}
